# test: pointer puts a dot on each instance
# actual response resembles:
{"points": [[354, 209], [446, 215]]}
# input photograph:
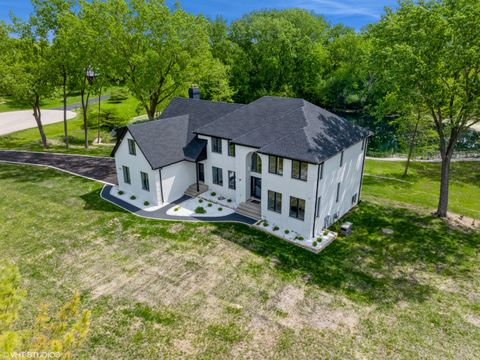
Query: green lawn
{"points": [[421, 186], [181, 290], [30, 139]]}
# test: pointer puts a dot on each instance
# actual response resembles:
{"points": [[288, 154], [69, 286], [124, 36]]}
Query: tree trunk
{"points": [[65, 127], [444, 180], [38, 118], [151, 108], [412, 145]]}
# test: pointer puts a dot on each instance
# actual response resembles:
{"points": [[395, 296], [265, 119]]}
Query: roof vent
{"points": [[194, 92]]}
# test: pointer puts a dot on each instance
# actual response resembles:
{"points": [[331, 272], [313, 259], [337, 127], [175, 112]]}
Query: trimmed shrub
{"points": [[133, 197], [209, 204], [146, 203], [176, 208], [265, 223], [200, 210], [229, 200], [220, 209], [213, 193], [275, 228], [300, 238], [325, 232], [200, 201], [287, 231], [121, 192], [119, 94], [314, 243]]}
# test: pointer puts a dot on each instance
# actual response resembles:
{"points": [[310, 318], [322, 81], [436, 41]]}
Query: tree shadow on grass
{"points": [[370, 266]]}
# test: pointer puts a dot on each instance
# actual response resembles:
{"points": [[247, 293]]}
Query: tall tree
{"points": [[157, 51], [431, 50]]}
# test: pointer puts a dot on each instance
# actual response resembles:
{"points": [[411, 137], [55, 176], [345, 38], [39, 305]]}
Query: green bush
{"points": [[287, 231], [265, 223], [133, 197], [176, 208], [146, 203], [275, 228], [109, 119], [209, 204], [200, 210], [119, 94], [220, 209], [121, 192], [200, 201], [213, 193], [229, 200], [314, 243]]}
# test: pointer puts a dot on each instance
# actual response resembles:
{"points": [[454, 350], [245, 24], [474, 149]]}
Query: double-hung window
{"points": [[297, 208], [217, 176], [131, 147], [299, 170], [231, 180], [126, 175], [231, 149], [274, 201], [216, 145], [275, 165], [145, 182]]}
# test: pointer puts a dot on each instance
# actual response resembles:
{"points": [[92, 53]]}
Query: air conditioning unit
{"points": [[346, 228]]}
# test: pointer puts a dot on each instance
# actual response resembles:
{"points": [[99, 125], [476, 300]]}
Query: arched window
{"points": [[256, 163]]}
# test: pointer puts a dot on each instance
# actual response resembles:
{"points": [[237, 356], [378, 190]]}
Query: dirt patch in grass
{"points": [[175, 228]]}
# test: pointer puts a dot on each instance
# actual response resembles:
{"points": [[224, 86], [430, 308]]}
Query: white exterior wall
{"points": [[349, 175], [176, 178], [136, 163]]}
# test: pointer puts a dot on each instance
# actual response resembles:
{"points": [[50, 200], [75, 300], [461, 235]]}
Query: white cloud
{"points": [[338, 7]]}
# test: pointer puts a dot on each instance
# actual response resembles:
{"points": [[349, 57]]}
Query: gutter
{"points": [[316, 201], [161, 186]]}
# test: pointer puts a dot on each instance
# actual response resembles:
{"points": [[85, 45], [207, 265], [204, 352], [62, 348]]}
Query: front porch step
{"points": [[192, 190], [249, 209]]}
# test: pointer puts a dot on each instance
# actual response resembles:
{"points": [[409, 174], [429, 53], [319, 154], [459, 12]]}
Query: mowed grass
{"points": [[197, 290], [29, 139], [421, 187]]}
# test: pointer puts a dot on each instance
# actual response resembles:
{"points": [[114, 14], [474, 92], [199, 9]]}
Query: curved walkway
{"points": [[162, 212], [12, 121], [91, 167]]}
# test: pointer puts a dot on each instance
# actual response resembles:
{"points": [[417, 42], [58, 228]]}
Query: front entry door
{"points": [[201, 172], [256, 187]]}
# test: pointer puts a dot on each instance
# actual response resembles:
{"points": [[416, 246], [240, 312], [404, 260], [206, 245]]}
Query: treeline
{"points": [[414, 75]]}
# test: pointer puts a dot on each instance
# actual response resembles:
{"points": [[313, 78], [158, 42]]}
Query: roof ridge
{"points": [[217, 119], [210, 101]]}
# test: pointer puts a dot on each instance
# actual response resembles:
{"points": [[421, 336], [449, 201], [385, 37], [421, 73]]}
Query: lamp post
{"points": [[91, 75]]}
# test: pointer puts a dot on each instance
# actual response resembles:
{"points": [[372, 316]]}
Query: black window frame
{"points": [[295, 209], [144, 178], [300, 172], [132, 148], [321, 170], [232, 180], [217, 176], [363, 144], [276, 205], [126, 170], [258, 163], [231, 149], [278, 165], [216, 144], [341, 159], [338, 193], [319, 201], [354, 198]]}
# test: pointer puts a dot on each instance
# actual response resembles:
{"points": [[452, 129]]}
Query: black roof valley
{"points": [[286, 127]]}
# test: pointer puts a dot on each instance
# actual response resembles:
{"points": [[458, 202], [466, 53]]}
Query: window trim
{"points": [[296, 215], [230, 147], [278, 159], [219, 171], [234, 180], [276, 195], [127, 169], [216, 144], [145, 181], [132, 149], [300, 163]]}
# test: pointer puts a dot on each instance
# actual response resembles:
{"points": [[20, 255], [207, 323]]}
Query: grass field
{"points": [[421, 187], [169, 290]]}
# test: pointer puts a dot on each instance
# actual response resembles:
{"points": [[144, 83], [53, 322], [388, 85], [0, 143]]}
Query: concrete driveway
{"points": [[12, 121]]}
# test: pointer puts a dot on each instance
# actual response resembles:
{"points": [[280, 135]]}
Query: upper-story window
{"points": [[299, 170], [216, 145], [341, 159], [275, 165], [231, 149], [256, 165], [131, 147]]}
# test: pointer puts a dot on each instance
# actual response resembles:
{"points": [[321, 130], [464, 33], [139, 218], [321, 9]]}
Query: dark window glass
{"points": [[274, 201], [216, 145], [275, 165], [131, 147], [256, 163], [321, 170], [341, 159], [297, 208], [217, 176], [145, 183], [363, 144], [299, 170], [126, 174], [231, 180], [354, 199], [338, 192], [231, 149], [319, 201]]}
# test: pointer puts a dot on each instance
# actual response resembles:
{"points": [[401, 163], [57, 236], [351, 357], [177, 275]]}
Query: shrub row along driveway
{"points": [[96, 168]]}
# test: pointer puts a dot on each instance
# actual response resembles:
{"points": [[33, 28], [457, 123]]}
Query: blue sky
{"points": [[352, 13]]}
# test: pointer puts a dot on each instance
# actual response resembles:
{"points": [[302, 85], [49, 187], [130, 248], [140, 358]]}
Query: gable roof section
{"points": [[291, 128]]}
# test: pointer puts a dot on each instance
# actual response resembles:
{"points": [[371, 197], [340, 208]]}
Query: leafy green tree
{"points": [[157, 51], [61, 332], [430, 49]]}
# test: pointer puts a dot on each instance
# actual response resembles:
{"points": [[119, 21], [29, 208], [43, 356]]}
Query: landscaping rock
{"points": [[387, 231]]}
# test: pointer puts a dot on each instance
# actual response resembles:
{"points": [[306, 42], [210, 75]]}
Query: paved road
{"points": [[96, 168], [79, 105], [12, 121]]}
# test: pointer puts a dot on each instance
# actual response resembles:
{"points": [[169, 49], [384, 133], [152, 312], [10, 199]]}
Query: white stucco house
{"points": [[280, 159]]}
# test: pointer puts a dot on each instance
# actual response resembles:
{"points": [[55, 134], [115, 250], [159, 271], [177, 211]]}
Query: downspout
{"points": [[316, 200], [161, 186], [363, 167], [196, 173]]}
